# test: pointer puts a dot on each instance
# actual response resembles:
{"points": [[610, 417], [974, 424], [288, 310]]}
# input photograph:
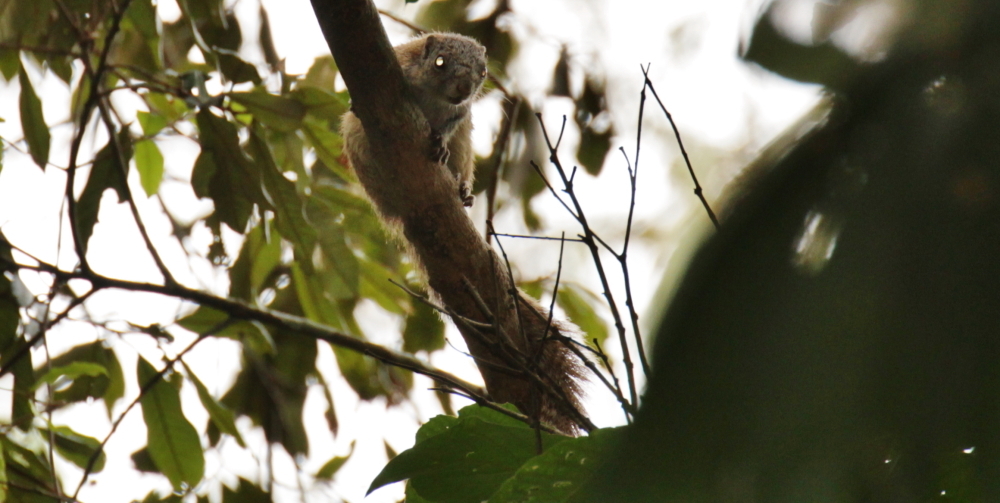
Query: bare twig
{"points": [[622, 257], [563, 239], [589, 240], [677, 134], [505, 411]]}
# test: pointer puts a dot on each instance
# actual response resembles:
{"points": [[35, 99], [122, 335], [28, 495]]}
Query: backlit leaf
{"points": [[71, 371], [280, 113], [149, 163], [220, 416], [77, 448], [173, 443], [579, 306]]}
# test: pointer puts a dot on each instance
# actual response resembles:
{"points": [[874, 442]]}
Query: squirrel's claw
{"points": [[465, 194], [439, 151]]}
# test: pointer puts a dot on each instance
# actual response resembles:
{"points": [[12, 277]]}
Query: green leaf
{"points": [[424, 329], [3, 475], [322, 74], [247, 492], [206, 320], [593, 149], [220, 416], [10, 316], [561, 473], [28, 472], [173, 443], [468, 461], [328, 146], [280, 113], [149, 163], [108, 385], [77, 448], [22, 411], [10, 63], [71, 372], [322, 104], [578, 304], [329, 469], [225, 173], [151, 123], [142, 14], [143, 462], [289, 208], [171, 108], [36, 131], [271, 389]]}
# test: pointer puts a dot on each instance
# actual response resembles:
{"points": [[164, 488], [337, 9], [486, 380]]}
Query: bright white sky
{"points": [[726, 111]]}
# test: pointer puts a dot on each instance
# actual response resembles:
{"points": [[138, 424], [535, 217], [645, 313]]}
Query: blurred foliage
{"points": [[483, 455], [270, 162], [837, 339]]}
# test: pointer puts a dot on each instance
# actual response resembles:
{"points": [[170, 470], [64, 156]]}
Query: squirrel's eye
{"points": [[439, 62]]}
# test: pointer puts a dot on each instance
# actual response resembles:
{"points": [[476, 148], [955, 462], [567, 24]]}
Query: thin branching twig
{"points": [[687, 161], [588, 238]]}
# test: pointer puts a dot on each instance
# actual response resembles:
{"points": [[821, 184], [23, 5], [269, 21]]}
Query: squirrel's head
{"points": [[458, 66]]}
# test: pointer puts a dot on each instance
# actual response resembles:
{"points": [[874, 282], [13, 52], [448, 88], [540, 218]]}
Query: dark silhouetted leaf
{"points": [[822, 64], [106, 172], [225, 173], [593, 149], [235, 69], [10, 317], [247, 492], [329, 469], [36, 131]]}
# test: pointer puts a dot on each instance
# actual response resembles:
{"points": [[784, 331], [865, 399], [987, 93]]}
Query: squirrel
{"points": [[445, 72]]}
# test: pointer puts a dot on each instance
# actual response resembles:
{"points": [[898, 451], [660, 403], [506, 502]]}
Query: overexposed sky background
{"points": [[726, 111]]}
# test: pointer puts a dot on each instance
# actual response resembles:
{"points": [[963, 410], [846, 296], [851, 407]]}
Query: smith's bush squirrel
{"points": [[445, 72]]}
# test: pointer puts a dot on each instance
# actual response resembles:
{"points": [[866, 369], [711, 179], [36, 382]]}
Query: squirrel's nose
{"points": [[464, 89]]}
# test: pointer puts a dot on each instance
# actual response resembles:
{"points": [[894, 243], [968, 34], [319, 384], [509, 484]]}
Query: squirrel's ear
{"points": [[429, 44]]}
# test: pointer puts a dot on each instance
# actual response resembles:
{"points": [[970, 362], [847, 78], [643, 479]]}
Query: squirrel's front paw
{"points": [[465, 194], [439, 151]]}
